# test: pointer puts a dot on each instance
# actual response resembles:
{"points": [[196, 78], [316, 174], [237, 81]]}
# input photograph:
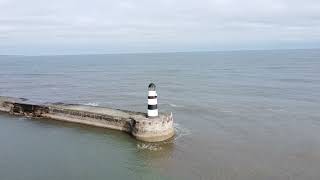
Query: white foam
{"points": [[91, 104], [149, 146], [175, 105], [22, 118]]}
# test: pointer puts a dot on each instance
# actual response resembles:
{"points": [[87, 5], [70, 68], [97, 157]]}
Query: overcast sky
{"points": [[115, 26]]}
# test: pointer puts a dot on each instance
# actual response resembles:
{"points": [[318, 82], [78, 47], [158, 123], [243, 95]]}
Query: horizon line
{"points": [[164, 52]]}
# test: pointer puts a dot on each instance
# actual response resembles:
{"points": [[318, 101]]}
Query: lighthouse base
{"points": [[154, 129]]}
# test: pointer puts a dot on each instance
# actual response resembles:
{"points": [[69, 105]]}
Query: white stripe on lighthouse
{"points": [[152, 101], [153, 113], [152, 93]]}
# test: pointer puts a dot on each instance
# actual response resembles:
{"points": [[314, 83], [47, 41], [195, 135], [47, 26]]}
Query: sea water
{"points": [[241, 115]]}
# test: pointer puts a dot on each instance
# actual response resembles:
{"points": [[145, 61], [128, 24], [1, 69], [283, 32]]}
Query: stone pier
{"points": [[136, 123]]}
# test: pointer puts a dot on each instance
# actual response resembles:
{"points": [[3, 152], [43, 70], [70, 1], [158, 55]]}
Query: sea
{"points": [[238, 115]]}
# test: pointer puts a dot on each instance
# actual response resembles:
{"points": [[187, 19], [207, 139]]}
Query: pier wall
{"points": [[89, 118], [135, 123]]}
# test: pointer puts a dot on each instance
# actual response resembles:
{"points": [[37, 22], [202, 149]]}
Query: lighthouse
{"points": [[152, 101]]}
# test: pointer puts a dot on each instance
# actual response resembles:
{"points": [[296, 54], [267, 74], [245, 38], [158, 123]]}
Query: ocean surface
{"points": [[242, 115]]}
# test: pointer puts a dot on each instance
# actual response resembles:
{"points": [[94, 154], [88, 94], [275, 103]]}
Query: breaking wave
{"points": [[91, 104]]}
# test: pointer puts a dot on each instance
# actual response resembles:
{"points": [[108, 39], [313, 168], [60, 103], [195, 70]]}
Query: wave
{"points": [[175, 105], [180, 131], [91, 104], [149, 146]]}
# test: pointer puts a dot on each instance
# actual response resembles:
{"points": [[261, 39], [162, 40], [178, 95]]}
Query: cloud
{"points": [[149, 25]]}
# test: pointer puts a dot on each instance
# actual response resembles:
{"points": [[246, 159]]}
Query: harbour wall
{"points": [[135, 123]]}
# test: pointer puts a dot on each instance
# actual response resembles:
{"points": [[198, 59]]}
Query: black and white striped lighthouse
{"points": [[152, 101]]}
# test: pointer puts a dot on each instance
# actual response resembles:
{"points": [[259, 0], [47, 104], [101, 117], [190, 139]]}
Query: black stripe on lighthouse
{"points": [[152, 107]]}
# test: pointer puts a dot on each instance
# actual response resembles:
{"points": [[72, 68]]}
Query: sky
{"points": [[36, 27]]}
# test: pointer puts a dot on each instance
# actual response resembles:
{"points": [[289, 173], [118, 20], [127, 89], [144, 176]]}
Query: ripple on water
{"points": [[180, 131]]}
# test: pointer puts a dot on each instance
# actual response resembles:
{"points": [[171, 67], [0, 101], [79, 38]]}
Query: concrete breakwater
{"points": [[137, 124]]}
